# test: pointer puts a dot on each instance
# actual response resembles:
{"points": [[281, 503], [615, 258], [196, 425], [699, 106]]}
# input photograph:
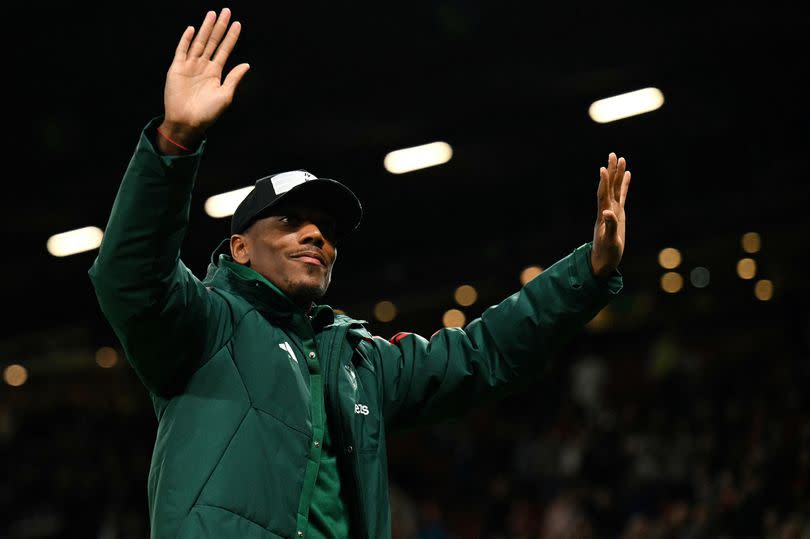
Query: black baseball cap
{"points": [[301, 186]]}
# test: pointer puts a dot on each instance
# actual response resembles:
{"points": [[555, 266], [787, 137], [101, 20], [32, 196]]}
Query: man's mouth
{"points": [[310, 257]]}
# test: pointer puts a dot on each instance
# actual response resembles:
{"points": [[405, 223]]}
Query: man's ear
{"points": [[239, 249]]}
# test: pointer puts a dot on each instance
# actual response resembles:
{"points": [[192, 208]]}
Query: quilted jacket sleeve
{"points": [[165, 318], [427, 380]]}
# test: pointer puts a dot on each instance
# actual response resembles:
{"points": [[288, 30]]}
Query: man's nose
{"points": [[311, 233]]}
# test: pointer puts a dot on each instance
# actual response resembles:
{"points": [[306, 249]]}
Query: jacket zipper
{"points": [[331, 385]]}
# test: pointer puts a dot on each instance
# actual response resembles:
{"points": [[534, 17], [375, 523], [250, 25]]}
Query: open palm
{"points": [[195, 95], [609, 230]]}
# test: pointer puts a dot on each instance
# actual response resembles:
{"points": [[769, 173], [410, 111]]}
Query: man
{"points": [[272, 409]]}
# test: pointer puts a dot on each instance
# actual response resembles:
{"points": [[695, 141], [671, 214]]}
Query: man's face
{"points": [[293, 248]]}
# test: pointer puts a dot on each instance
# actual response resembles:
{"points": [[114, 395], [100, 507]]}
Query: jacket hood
{"points": [[223, 249], [224, 273]]}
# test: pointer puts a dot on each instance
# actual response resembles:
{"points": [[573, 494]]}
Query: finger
{"points": [[601, 191], [617, 178], [625, 187], [235, 77], [611, 170], [198, 45], [217, 33], [228, 44], [182, 47]]}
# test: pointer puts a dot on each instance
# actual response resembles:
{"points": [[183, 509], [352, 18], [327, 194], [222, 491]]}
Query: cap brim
{"points": [[331, 196]]}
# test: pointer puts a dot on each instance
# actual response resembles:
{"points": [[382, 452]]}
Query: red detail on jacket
{"points": [[399, 336]]}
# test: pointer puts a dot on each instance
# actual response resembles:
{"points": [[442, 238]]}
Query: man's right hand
{"points": [[194, 96]]}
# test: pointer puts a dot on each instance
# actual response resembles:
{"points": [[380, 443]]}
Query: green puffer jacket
{"points": [[242, 380]]}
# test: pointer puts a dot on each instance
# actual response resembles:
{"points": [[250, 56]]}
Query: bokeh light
{"points": [[669, 258], [530, 273], [671, 282], [700, 277], [453, 318], [385, 311], [763, 290], [747, 268], [106, 357], [751, 242], [465, 295], [602, 321], [15, 375]]}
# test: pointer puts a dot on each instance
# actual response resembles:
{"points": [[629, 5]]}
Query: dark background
{"points": [[333, 88]]}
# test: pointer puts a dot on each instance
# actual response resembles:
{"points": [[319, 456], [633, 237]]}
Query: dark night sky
{"points": [[333, 88]]}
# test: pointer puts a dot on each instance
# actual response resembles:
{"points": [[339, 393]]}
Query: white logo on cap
{"points": [[287, 180]]}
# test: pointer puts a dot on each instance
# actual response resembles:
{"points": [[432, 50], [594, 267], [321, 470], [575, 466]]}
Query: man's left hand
{"points": [[609, 230]]}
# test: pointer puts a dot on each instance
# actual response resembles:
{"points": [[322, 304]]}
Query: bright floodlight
{"points": [[426, 155], [621, 106], [75, 241], [225, 204]]}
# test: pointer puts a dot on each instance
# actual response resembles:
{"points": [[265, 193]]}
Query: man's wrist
{"points": [[600, 272], [177, 139]]}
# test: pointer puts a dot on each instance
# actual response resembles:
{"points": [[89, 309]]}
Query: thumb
{"points": [[235, 77], [610, 221]]}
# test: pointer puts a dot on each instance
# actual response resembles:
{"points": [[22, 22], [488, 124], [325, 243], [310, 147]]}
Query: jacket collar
{"points": [[224, 272]]}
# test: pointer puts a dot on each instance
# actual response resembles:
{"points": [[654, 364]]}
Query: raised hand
{"points": [[195, 95], [609, 230]]}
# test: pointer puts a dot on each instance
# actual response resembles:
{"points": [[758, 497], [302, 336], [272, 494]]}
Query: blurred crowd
{"points": [[668, 438], [681, 434]]}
